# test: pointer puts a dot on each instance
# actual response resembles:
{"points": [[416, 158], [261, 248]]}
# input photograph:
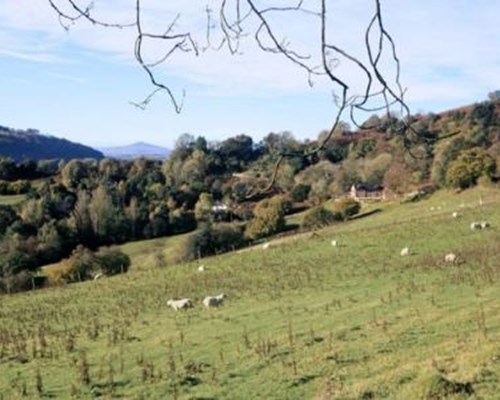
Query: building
{"points": [[364, 191]]}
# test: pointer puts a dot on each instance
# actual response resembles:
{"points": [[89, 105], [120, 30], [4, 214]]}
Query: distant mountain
{"points": [[135, 150], [32, 145]]}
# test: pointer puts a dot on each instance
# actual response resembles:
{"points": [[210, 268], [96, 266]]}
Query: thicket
{"points": [[85, 264], [16, 187], [319, 217], [346, 207], [211, 240], [469, 166], [269, 218]]}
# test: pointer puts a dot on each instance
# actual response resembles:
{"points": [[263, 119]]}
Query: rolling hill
{"points": [[31, 145], [136, 150], [303, 319]]}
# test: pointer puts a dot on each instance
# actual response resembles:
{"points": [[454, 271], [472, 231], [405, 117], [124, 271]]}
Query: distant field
{"points": [[10, 200], [303, 319]]}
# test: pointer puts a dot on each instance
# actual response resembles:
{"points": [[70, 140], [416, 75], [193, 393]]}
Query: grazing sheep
{"points": [[335, 243], [182, 304], [456, 215], [201, 268], [265, 246], [214, 301], [475, 226], [450, 258], [405, 252], [484, 224], [98, 276]]}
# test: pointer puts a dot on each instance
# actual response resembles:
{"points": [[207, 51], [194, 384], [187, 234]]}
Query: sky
{"points": [[79, 84]]}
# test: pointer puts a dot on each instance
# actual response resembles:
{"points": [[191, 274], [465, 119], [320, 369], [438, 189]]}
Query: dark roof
{"points": [[368, 187]]}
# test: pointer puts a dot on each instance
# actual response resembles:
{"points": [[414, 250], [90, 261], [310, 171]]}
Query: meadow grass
{"points": [[303, 319], [11, 199]]}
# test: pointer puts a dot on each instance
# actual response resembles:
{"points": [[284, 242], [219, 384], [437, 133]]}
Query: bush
{"points": [[346, 207], [300, 193], [212, 240], [181, 221], [112, 261], [17, 187], [319, 217], [7, 217], [16, 283], [81, 265], [468, 167], [269, 218], [17, 261]]}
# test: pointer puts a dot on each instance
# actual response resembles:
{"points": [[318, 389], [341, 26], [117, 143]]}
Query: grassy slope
{"points": [[303, 319], [10, 200]]}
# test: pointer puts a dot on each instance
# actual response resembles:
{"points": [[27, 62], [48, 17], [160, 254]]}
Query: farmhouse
{"points": [[364, 191]]}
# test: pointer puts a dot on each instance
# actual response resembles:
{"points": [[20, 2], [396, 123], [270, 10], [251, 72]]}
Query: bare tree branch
{"points": [[241, 19]]}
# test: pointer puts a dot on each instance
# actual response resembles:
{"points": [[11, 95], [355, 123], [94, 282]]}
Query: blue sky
{"points": [[78, 84]]}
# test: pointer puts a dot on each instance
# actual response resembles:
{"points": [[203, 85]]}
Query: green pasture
{"points": [[11, 199], [303, 319]]}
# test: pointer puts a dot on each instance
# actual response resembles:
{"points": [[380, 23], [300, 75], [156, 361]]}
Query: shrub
{"points": [[300, 193], [468, 167], [269, 218], [112, 261], [228, 237], [212, 240], [181, 221], [319, 217], [17, 187], [16, 283], [346, 207], [81, 265], [7, 217], [17, 261]]}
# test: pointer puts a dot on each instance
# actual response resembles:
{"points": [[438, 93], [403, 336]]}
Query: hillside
{"points": [[31, 145], [136, 150], [302, 319]]}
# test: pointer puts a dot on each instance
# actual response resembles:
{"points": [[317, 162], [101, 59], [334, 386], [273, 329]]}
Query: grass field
{"points": [[10, 200], [303, 319]]}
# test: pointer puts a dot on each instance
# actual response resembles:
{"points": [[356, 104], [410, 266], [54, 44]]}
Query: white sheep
{"points": [[456, 215], [485, 224], [201, 268], [266, 245], [182, 304], [335, 243], [450, 258], [214, 301], [405, 252], [475, 225]]}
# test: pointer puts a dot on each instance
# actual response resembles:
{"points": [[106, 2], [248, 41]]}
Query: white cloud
{"points": [[38, 57], [432, 38]]}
